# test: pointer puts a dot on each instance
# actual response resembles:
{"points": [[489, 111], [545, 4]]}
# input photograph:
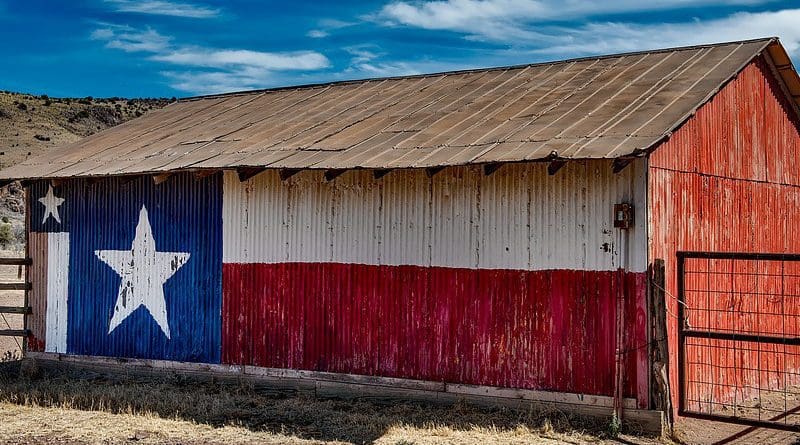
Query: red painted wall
{"points": [[550, 330], [727, 180]]}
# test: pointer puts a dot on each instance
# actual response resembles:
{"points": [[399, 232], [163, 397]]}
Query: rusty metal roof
{"points": [[602, 107]]}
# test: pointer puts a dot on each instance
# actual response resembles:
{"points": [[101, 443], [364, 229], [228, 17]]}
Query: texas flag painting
{"points": [[133, 269]]}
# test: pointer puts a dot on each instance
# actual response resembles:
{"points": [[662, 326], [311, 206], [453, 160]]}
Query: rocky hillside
{"points": [[31, 125]]}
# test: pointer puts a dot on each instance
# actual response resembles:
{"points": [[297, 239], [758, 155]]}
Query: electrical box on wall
{"points": [[623, 216]]}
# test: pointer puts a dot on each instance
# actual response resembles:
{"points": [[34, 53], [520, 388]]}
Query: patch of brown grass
{"points": [[37, 405]]}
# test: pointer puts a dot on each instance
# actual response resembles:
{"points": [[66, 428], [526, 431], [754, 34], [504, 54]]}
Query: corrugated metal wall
{"points": [[184, 215], [728, 181], [517, 218], [506, 280]]}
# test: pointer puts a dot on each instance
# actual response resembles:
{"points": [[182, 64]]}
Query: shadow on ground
{"points": [[233, 403]]}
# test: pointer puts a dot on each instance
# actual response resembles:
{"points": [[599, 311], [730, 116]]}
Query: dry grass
{"points": [[38, 407]]}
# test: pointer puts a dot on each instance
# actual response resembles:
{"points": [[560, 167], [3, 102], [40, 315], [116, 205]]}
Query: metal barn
{"points": [[608, 234]]}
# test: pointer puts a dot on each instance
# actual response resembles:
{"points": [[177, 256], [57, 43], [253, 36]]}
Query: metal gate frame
{"points": [[684, 333]]}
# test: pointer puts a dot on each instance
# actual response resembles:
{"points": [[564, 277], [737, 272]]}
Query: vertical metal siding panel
{"points": [[406, 219], [37, 248], [58, 248], [356, 213], [503, 228], [455, 217]]}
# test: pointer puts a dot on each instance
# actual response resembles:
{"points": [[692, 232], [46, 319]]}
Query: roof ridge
{"points": [[474, 70]]}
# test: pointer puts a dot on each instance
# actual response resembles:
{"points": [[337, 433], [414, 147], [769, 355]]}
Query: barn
{"points": [[611, 234]]}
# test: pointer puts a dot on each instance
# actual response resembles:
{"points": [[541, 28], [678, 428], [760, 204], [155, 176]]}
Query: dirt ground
{"points": [[703, 432], [40, 406]]}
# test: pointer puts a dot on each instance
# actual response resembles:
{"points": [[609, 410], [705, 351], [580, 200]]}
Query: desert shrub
{"points": [[6, 235]]}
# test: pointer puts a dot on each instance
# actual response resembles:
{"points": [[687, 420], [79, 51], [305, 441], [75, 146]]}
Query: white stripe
{"points": [[517, 218], [57, 284]]}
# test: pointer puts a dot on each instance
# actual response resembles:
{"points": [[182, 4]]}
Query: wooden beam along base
{"points": [[373, 388]]}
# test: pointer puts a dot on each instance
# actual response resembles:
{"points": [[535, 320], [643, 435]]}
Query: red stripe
{"points": [[551, 330]]}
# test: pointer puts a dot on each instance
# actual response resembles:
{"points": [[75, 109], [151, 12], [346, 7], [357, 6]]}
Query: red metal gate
{"points": [[739, 338]]}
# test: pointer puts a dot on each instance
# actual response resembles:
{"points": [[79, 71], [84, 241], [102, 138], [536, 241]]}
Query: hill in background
{"points": [[31, 125]]}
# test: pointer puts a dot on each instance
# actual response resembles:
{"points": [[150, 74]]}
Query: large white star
{"points": [[51, 203], [143, 271]]}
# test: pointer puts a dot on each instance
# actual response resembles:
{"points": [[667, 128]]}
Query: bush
{"points": [[6, 235]]}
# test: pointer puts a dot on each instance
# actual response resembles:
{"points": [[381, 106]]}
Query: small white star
{"points": [[143, 271], [51, 203]]}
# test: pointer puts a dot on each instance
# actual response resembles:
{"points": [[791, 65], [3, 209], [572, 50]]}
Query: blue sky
{"points": [[182, 48]]}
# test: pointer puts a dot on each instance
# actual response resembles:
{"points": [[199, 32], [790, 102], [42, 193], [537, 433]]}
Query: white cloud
{"points": [[326, 26], [360, 53], [130, 40], [531, 26], [511, 20], [600, 38], [163, 7], [225, 58], [204, 82], [209, 70], [388, 69], [317, 34]]}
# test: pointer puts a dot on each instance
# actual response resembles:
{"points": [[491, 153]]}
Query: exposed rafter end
{"points": [[619, 164], [128, 179], [330, 175], [287, 173], [554, 166], [202, 174], [246, 173], [380, 173], [161, 178], [488, 169], [431, 171]]}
